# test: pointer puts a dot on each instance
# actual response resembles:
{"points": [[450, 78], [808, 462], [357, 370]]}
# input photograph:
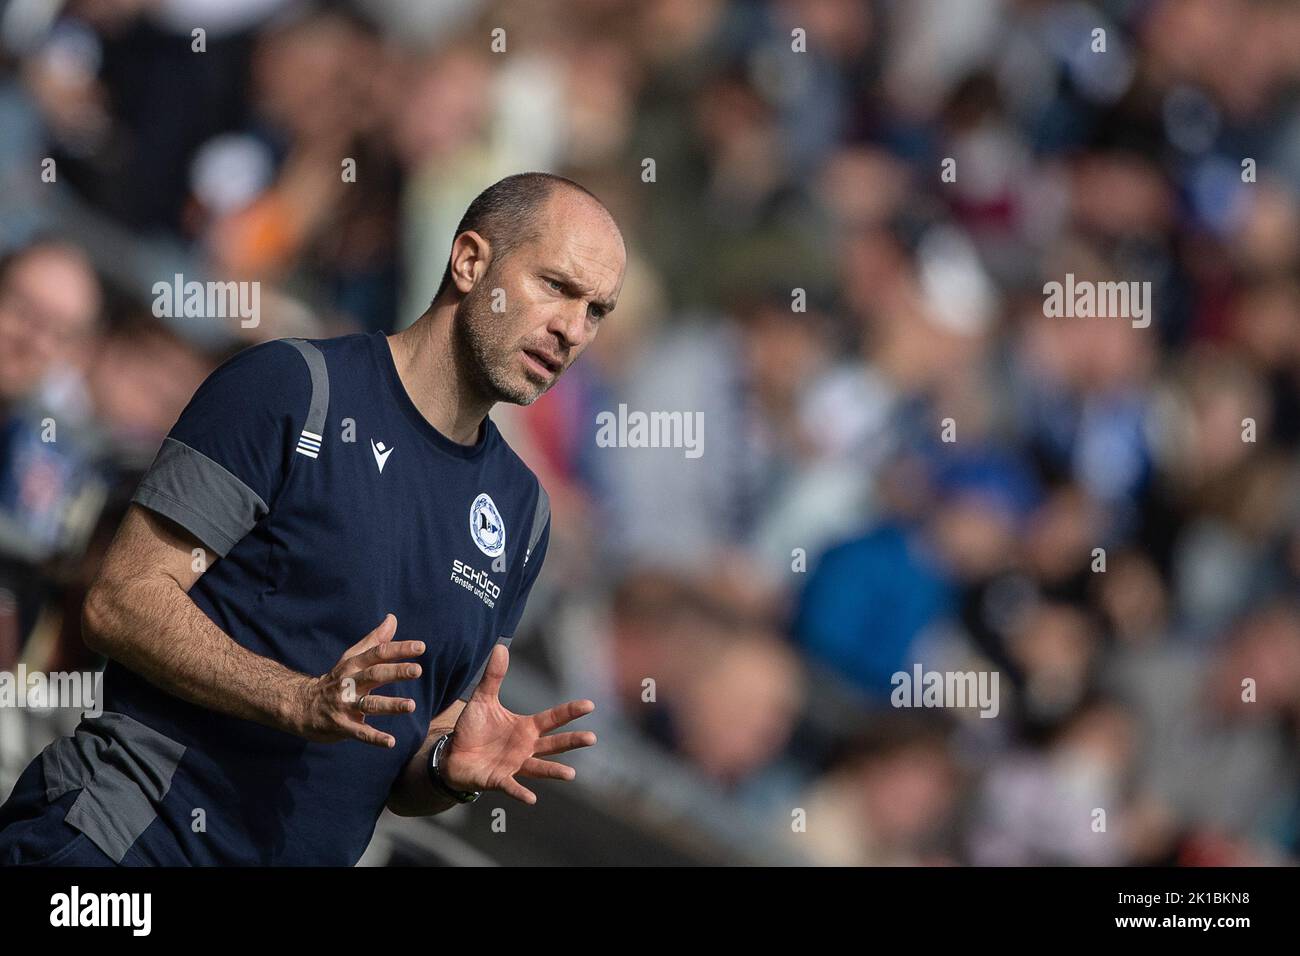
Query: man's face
{"points": [[553, 294], [48, 303]]}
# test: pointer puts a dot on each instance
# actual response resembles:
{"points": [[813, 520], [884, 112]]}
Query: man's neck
{"points": [[425, 358]]}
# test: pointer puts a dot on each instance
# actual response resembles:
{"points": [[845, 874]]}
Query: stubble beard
{"points": [[487, 365]]}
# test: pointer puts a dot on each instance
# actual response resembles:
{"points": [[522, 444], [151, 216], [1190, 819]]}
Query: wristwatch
{"points": [[436, 778]]}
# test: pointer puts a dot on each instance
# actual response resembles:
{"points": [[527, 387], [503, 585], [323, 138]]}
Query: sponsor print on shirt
{"points": [[488, 531]]}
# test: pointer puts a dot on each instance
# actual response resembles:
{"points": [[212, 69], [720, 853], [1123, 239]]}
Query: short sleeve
{"points": [[229, 453], [539, 539]]}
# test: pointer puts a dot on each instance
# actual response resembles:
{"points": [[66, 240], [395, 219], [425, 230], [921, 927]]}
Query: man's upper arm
{"points": [[223, 462], [148, 545]]}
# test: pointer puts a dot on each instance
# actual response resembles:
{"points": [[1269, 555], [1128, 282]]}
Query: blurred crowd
{"points": [[1113, 525]]}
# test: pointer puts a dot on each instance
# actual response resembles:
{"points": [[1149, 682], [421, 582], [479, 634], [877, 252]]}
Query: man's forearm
{"points": [[153, 628], [413, 795]]}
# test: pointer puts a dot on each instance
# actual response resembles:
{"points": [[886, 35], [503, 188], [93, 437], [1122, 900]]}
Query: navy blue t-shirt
{"points": [[323, 500]]}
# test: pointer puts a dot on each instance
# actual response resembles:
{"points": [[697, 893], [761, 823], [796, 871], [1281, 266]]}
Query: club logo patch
{"points": [[486, 527]]}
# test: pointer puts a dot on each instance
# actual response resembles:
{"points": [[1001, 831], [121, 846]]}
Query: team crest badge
{"points": [[486, 527]]}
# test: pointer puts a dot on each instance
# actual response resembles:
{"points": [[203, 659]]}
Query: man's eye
{"points": [[555, 284], [596, 312]]}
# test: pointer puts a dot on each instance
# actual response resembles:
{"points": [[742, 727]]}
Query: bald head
{"points": [[512, 212], [527, 290]]}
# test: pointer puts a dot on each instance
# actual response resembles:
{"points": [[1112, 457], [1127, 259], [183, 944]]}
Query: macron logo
{"points": [[381, 454]]}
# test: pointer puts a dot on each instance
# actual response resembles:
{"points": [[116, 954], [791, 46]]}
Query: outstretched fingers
{"points": [[513, 788], [563, 743], [371, 704], [384, 653], [380, 635], [562, 714], [372, 677], [546, 770], [368, 735], [498, 663]]}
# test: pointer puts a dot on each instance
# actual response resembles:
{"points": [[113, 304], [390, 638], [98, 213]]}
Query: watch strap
{"points": [[435, 773]]}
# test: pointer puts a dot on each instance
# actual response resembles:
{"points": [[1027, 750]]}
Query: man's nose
{"points": [[570, 324]]}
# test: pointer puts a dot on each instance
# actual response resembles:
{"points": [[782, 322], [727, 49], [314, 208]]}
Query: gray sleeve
{"points": [[541, 515], [232, 448], [179, 474]]}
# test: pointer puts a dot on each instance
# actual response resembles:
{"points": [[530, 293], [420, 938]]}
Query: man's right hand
{"points": [[326, 707]]}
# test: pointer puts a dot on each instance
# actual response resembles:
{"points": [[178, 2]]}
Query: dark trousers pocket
{"points": [[80, 851], [33, 831]]}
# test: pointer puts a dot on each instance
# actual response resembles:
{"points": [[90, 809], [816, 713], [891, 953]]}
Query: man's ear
{"points": [[470, 255]]}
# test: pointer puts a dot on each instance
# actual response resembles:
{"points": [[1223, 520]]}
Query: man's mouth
{"points": [[551, 366]]}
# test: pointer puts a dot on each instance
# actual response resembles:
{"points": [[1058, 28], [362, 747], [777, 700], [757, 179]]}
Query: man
{"points": [[349, 487]]}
